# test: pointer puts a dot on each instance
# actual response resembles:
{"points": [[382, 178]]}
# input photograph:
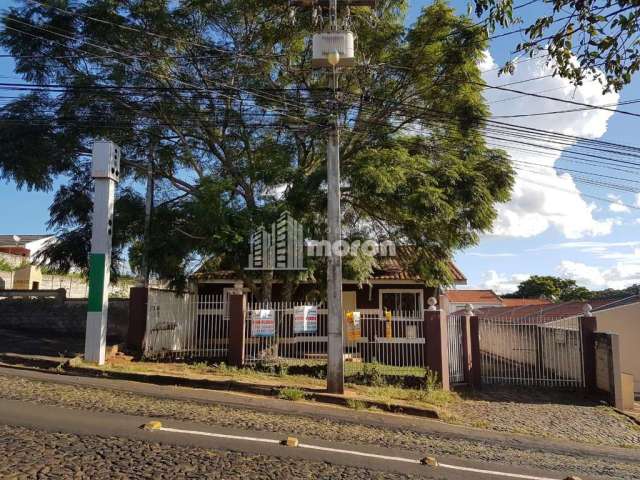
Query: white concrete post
{"points": [[105, 169]]}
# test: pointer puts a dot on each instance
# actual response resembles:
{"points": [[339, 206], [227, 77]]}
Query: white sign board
{"points": [[305, 319], [263, 323]]}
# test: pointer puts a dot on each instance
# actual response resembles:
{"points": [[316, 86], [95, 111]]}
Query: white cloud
{"points": [[501, 283], [543, 198], [638, 200], [617, 206], [623, 274]]}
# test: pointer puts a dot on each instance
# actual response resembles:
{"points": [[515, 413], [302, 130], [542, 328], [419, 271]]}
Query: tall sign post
{"points": [[331, 49], [105, 170]]}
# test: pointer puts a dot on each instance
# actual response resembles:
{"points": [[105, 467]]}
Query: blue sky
{"points": [[543, 230]]}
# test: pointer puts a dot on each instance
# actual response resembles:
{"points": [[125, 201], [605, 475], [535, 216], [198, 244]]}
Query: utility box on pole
{"points": [[105, 169], [327, 43]]}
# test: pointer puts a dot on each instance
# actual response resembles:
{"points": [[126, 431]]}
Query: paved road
{"points": [[57, 442]]}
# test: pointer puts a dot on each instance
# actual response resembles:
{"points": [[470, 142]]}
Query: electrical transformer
{"points": [[329, 42]]}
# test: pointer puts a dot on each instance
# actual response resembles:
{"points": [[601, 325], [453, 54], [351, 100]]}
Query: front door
{"points": [[349, 302]]}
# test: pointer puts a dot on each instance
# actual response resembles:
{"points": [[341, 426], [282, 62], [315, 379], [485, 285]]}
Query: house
{"points": [[24, 247], [620, 316], [391, 287], [459, 299], [521, 302]]}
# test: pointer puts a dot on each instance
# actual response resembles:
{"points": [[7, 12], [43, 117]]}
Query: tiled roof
{"points": [[521, 302], [8, 241], [534, 313], [473, 297]]}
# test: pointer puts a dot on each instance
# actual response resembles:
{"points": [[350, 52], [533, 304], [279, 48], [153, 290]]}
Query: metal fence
{"points": [[455, 325], [273, 333], [188, 325], [542, 351], [270, 335]]}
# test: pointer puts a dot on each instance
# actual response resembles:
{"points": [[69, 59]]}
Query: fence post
{"points": [[436, 354], [475, 378], [237, 313], [466, 345], [588, 327], [138, 299]]}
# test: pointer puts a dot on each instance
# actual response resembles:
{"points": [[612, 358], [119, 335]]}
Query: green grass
{"points": [[356, 404]]}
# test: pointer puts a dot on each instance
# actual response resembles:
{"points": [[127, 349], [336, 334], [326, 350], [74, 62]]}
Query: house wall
{"points": [[625, 321], [47, 315]]}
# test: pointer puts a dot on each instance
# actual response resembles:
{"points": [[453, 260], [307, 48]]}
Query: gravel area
{"points": [[121, 402], [35, 454], [546, 413]]}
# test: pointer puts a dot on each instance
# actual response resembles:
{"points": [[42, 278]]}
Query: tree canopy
{"points": [[220, 98], [553, 288], [579, 38]]}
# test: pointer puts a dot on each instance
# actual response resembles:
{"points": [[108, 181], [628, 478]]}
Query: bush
{"points": [[372, 376], [4, 266], [356, 404], [293, 394]]}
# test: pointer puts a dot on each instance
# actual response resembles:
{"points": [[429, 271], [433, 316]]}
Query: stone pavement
{"points": [[546, 413], [33, 454], [96, 399]]}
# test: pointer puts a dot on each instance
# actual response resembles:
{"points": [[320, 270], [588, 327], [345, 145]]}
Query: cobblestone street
{"points": [[104, 400], [34, 454]]}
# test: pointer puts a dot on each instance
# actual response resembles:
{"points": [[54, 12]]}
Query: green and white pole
{"points": [[105, 170]]}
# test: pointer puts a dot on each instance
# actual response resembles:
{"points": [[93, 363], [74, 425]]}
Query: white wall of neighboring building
{"points": [[625, 321]]}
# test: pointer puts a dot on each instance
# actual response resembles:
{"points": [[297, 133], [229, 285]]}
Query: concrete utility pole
{"points": [[335, 347], [329, 50], [105, 169]]}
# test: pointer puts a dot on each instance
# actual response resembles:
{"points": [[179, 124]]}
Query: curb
{"points": [[66, 367]]}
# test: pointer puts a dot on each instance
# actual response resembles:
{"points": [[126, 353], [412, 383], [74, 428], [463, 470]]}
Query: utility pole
{"points": [[105, 169], [329, 50], [148, 208]]}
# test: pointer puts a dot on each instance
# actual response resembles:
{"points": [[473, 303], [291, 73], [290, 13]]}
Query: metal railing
{"points": [[545, 351], [455, 325], [188, 325], [271, 334]]}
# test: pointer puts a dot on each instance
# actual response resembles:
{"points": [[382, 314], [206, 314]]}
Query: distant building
{"points": [[24, 246]]}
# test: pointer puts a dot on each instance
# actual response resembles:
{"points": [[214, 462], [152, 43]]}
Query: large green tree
{"points": [[220, 98]]}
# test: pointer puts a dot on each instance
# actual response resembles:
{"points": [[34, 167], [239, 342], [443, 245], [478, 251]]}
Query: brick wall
{"points": [[62, 318]]}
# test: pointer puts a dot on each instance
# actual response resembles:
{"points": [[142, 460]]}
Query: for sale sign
{"points": [[353, 332], [305, 319], [263, 323]]}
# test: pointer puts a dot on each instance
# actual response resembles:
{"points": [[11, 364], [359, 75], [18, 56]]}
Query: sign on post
{"points": [[263, 323], [305, 319]]}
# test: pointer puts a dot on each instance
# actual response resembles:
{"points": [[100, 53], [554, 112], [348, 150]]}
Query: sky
{"points": [[553, 225]]}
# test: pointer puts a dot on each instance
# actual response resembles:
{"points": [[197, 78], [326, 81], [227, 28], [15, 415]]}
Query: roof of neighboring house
{"points": [[520, 302], [474, 297], [9, 241], [538, 313]]}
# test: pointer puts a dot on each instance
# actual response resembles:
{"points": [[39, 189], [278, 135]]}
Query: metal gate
{"points": [[455, 324], [538, 351], [187, 325]]}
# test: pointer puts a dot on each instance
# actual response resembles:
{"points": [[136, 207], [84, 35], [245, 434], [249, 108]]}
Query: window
{"points": [[401, 300]]}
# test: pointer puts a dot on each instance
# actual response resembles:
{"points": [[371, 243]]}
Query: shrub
{"points": [[372, 376], [356, 404], [431, 381], [293, 394]]}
